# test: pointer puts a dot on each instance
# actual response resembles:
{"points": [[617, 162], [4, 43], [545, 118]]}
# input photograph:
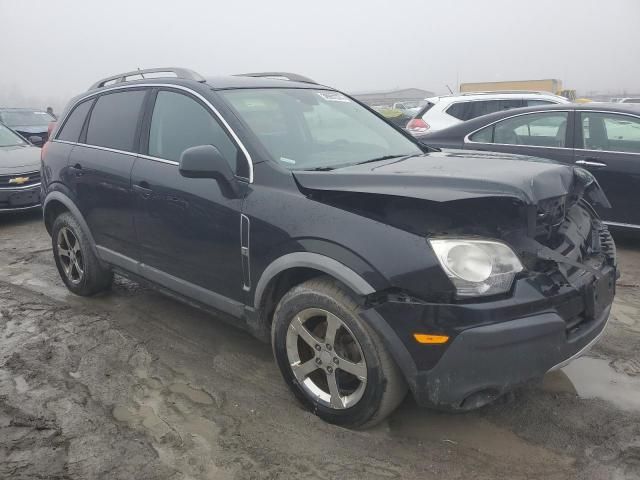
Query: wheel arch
{"points": [[56, 203], [294, 268], [311, 262]]}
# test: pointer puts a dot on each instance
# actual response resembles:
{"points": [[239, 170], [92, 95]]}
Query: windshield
{"points": [[26, 118], [8, 138], [317, 129]]}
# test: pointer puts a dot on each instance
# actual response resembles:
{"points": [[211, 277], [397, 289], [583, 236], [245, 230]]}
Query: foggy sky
{"points": [[51, 50]]}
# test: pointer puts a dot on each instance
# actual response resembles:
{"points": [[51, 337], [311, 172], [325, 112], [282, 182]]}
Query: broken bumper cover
{"points": [[497, 345]]}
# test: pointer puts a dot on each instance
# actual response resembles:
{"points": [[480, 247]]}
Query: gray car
{"points": [[19, 172]]}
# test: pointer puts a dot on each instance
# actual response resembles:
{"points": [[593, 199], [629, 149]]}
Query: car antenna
{"points": [[449, 88]]}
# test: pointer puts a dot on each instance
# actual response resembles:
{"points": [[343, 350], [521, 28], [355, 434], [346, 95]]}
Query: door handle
{"points": [[143, 189], [590, 162], [77, 169]]}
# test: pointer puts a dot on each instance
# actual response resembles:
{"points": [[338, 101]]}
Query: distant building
{"points": [[393, 96]]}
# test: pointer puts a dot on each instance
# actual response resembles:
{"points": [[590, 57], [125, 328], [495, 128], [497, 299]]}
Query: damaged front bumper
{"points": [[497, 345], [494, 345]]}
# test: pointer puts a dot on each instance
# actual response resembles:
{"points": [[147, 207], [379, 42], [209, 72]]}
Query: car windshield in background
{"points": [[8, 138], [316, 129], [26, 118]]}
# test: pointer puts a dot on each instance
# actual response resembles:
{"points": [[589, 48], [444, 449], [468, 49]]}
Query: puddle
{"points": [[589, 377], [468, 430]]}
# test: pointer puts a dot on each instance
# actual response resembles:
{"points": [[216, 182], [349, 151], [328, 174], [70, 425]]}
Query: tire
{"points": [[368, 382], [77, 265]]}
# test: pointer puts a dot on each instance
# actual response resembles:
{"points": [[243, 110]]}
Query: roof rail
{"points": [[293, 77], [124, 77]]}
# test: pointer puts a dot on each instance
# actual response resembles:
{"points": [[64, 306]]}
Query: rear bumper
{"points": [[20, 198], [493, 346]]}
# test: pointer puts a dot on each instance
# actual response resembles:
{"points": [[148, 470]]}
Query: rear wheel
{"points": [[331, 359], [78, 266]]}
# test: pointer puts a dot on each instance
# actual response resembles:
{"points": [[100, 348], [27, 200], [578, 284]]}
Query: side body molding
{"points": [[317, 262]]}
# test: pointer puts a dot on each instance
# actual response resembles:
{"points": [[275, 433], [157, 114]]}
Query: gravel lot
{"points": [[133, 385]]}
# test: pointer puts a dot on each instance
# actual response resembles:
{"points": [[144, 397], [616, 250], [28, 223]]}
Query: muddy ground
{"points": [[133, 385]]}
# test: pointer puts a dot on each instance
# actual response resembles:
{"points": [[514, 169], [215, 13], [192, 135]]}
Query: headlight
{"points": [[477, 267]]}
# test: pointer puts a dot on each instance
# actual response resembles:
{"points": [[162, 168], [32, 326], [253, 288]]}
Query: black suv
{"points": [[372, 263]]}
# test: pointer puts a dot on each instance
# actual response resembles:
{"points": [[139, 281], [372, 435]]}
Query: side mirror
{"points": [[206, 161], [35, 139]]}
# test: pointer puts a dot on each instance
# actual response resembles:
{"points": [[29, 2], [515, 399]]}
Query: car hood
{"points": [[452, 175], [19, 159]]}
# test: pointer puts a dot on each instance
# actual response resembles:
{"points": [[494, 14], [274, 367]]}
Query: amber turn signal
{"points": [[432, 339]]}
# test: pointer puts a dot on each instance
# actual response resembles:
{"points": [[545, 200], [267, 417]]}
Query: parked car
{"points": [[447, 110], [371, 263], [19, 172], [603, 138], [31, 124]]}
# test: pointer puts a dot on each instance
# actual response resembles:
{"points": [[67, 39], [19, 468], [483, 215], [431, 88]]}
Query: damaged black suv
{"points": [[372, 263]]}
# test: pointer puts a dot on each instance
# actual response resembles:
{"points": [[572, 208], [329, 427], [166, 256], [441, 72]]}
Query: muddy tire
{"points": [[78, 266], [334, 363]]}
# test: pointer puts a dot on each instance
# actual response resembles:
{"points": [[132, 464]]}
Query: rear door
{"points": [[538, 134], [608, 145], [188, 230], [100, 168]]}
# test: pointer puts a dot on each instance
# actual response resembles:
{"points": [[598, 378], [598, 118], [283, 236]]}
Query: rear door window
{"points": [[73, 126], [484, 107], [611, 132], [114, 120]]}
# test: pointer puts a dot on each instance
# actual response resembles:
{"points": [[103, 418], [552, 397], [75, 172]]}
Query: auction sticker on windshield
{"points": [[334, 97]]}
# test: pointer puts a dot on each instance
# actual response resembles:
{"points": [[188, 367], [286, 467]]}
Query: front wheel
{"points": [[331, 359]]}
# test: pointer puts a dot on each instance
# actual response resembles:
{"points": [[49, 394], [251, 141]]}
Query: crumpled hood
{"points": [[450, 175], [19, 159]]}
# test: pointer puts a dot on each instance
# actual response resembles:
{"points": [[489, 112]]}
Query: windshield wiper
{"points": [[319, 169], [384, 157]]}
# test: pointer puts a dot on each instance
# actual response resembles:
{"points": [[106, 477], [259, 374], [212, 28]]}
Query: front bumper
{"points": [[19, 198], [496, 345]]}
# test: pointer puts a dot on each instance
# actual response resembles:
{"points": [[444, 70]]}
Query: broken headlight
{"points": [[477, 267]]}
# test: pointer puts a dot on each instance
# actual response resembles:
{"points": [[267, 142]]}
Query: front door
{"points": [[608, 145], [188, 230], [100, 169]]}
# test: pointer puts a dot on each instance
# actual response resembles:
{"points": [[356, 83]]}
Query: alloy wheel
{"points": [[326, 358], [70, 255]]}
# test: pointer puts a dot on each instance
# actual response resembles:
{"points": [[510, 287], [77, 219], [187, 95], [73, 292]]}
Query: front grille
{"points": [[18, 180]]}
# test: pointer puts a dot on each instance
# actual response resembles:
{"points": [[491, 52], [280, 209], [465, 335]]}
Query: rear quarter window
{"points": [[73, 126]]}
